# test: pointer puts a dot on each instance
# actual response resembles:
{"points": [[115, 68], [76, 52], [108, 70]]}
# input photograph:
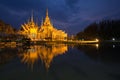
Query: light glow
{"points": [[45, 53]]}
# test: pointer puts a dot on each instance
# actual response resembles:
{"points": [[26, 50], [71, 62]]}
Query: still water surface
{"points": [[60, 62]]}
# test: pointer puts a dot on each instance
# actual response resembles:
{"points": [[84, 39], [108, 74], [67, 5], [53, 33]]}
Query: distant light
{"points": [[97, 45], [113, 39], [113, 46], [97, 40]]}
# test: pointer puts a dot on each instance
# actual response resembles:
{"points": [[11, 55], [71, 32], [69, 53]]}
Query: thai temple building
{"points": [[46, 31]]}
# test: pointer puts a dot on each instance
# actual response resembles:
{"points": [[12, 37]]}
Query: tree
{"points": [[104, 30]]}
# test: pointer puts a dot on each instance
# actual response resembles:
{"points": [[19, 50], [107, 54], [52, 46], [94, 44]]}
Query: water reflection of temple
{"points": [[44, 52]]}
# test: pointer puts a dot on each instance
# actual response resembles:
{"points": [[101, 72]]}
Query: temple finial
{"points": [[42, 22], [32, 16], [47, 12]]}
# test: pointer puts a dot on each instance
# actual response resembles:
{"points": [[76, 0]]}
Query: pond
{"points": [[60, 62]]}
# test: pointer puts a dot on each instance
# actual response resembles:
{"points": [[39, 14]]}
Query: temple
{"points": [[46, 31]]}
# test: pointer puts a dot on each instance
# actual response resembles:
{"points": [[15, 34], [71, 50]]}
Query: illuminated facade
{"points": [[45, 32], [30, 29]]}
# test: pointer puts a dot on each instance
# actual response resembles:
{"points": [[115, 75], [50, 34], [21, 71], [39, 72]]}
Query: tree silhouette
{"points": [[104, 30]]}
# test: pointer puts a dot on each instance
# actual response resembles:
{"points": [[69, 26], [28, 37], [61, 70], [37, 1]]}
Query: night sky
{"points": [[69, 15]]}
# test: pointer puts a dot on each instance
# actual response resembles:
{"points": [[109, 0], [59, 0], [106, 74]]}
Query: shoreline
{"points": [[14, 43]]}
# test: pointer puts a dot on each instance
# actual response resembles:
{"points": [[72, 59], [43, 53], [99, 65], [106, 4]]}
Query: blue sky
{"points": [[69, 15]]}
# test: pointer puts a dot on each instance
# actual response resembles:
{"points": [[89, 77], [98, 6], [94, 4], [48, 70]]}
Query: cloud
{"points": [[71, 3], [70, 15]]}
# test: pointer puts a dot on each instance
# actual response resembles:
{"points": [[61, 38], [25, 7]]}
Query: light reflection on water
{"points": [[62, 62], [44, 52]]}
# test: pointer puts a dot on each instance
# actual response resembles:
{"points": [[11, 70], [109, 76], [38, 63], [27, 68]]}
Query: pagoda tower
{"points": [[30, 29], [47, 21]]}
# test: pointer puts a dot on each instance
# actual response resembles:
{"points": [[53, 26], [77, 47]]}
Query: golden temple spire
{"points": [[46, 12], [32, 16], [42, 22], [47, 21]]}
